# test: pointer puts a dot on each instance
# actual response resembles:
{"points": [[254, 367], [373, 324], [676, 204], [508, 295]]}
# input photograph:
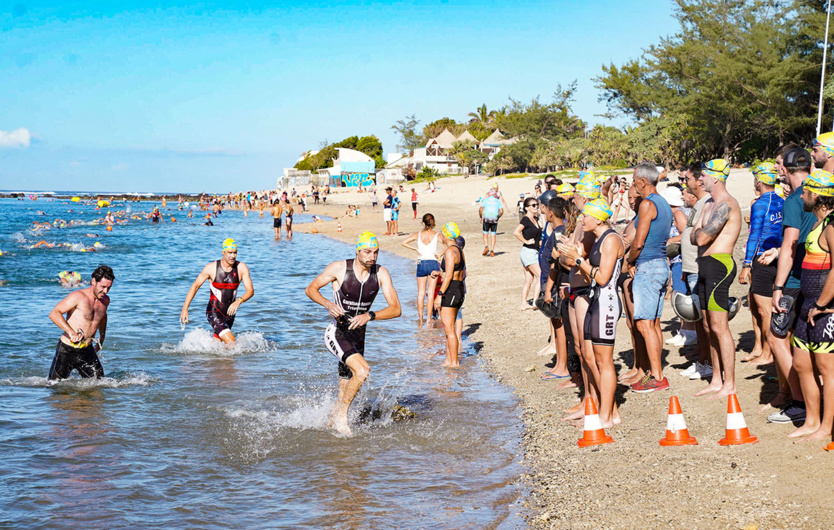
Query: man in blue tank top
{"points": [[647, 263]]}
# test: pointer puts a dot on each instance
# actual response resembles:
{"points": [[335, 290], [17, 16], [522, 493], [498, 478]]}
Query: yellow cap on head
{"points": [[717, 168], [598, 209], [826, 141], [587, 191], [229, 244], [564, 190], [495, 186], [451, 230], [366, 240], [820, 182], [765, 173]]}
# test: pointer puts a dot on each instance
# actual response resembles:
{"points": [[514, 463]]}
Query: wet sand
{"points": [[634, 482]]}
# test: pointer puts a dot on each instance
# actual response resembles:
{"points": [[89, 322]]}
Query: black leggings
{"points": [[68, 358]]}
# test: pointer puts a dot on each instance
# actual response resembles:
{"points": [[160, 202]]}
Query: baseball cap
{"points": [[796, 157]]}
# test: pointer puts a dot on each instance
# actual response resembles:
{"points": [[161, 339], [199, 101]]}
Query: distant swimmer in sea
{"points": [[86, 313], [277, 210], [208, 220], [355, 283], [155, 215], [69, 278], [226, 275]]}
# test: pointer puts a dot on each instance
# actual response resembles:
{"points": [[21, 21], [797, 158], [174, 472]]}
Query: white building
{"points": [[437, 152]]}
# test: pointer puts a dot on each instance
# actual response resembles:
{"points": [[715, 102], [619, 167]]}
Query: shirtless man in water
{"points": [[226, 275], [86, 311], [716, 233], [356, 283]]}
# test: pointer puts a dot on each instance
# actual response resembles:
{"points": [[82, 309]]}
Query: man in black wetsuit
{"points": [[226, 275], [356, 283], [86, 311]]}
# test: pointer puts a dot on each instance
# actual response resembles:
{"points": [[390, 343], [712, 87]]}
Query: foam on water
{"points": [[200, 340], [78, 383]]}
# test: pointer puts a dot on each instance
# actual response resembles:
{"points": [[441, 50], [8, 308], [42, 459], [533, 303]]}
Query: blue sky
{"points": [[221, 97]]}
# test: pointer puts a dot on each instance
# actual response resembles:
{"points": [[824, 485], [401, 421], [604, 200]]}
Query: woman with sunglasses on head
{"points": [[529, 233]]}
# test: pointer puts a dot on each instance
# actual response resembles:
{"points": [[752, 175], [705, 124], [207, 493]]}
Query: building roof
{"points": [[351, 155], [443, 140], [467, 137]]}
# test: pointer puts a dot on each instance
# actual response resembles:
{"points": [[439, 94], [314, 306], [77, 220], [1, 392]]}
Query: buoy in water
{"points": [[109, 228]]}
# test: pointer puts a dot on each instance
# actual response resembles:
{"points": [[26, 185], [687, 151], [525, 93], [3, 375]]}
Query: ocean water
{"points": [[185, 432]]}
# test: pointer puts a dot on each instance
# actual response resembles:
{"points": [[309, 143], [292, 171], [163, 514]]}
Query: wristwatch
{"points": [[372, 315], [778, 287], [440, 294], [579, 261], [819, 308]]}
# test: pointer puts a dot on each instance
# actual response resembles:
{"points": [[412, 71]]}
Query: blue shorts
{"points": [[426, 267], [691, 282], [649, 288], [395, 215], [677, 283]]}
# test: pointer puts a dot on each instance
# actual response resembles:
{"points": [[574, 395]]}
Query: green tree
{"points": [[482, 115], [537, 120], [433, 129], [410, 139]]}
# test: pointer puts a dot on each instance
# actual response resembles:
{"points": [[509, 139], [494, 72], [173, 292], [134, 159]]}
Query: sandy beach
{"points": [[634, 482]]}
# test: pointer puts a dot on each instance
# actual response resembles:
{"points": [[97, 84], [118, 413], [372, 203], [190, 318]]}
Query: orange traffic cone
{"points": [[593, 433], [339, 227], [737, 432], [676, 432]]}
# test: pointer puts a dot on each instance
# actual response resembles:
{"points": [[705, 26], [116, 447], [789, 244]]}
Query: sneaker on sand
{"points": [[703, 371], [673, 339], [690, 370], [791, 412], [680, 340], [650, 385], [485, 252]]}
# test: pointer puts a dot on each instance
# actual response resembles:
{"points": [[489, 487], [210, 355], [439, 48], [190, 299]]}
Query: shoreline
{"points": [[773, 484]]}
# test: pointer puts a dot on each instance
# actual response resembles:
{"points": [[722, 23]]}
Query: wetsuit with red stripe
{"points": [[223, 294]]}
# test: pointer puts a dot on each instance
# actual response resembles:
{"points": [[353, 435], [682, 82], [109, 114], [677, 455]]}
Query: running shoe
{"points": [[691, 370], [651, 384], [485, 252], [703, 371], [791, 412], [672, 339]]}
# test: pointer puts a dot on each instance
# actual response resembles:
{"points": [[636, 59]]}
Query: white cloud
{"points": [[17, 138]]}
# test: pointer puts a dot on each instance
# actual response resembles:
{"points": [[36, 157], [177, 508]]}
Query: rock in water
{"points": [[401, 413]]}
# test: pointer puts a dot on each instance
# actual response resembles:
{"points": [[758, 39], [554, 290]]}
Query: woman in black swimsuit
{"points": [[450, 297]]}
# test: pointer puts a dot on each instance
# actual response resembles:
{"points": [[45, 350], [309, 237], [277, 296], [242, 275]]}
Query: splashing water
{"points": [[202, 341]]}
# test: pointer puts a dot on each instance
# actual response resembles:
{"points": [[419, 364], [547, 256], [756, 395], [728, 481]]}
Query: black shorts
{"points": [[715, 275], [600, 325], [762, 278], [490, 226], [220, 322], [276, 222], [454, 295], [818, 338], [344, 343], [68, 358]]}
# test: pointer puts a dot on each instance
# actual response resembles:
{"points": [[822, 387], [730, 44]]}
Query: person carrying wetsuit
{"points": [[355, 282], [225, 274]]}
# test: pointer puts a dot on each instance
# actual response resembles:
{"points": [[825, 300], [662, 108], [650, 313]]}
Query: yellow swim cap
{"points": [[229, 244], [826, 141], [451, 230], [564, 190], [598, 209], [820, 182], [587, 191], [366, 240], [717, 168], [765, 173]]}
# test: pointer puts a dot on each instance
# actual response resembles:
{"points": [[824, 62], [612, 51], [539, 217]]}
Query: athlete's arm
{"points": [[705, 235], [449, 261], [68, 304], [334, 272], [392, 311], [102, 330], [517, 233], [784, 265], [409, 239], [204, 275], [481, 212], [647, 212], [246, 279]]}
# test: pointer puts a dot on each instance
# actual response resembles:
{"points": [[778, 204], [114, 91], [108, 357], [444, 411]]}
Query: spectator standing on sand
{"points": [[386, 211], [490, 212], [414, 201]]}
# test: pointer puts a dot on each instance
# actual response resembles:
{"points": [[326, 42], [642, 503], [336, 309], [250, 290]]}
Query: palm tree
{"points": [[484, 116]]}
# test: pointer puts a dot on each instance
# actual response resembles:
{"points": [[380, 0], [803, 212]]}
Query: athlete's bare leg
{"points": [[825, 367], [448, 315], [809, 382], [648, 330], [718, 322], [421, 294], [580, 309], [227, 336], [360, 370], [789, 386]]}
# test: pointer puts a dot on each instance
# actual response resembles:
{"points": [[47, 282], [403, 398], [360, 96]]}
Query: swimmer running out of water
{"points": [[86, 313], [226, 274], [356, 283]]}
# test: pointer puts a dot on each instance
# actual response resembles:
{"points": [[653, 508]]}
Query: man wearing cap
{"points": [[356, 283], [765, 234], [796, 225], [226, 274], [823, 152], [646, 261], [387, 206], [490, 212], [716, 233]]}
